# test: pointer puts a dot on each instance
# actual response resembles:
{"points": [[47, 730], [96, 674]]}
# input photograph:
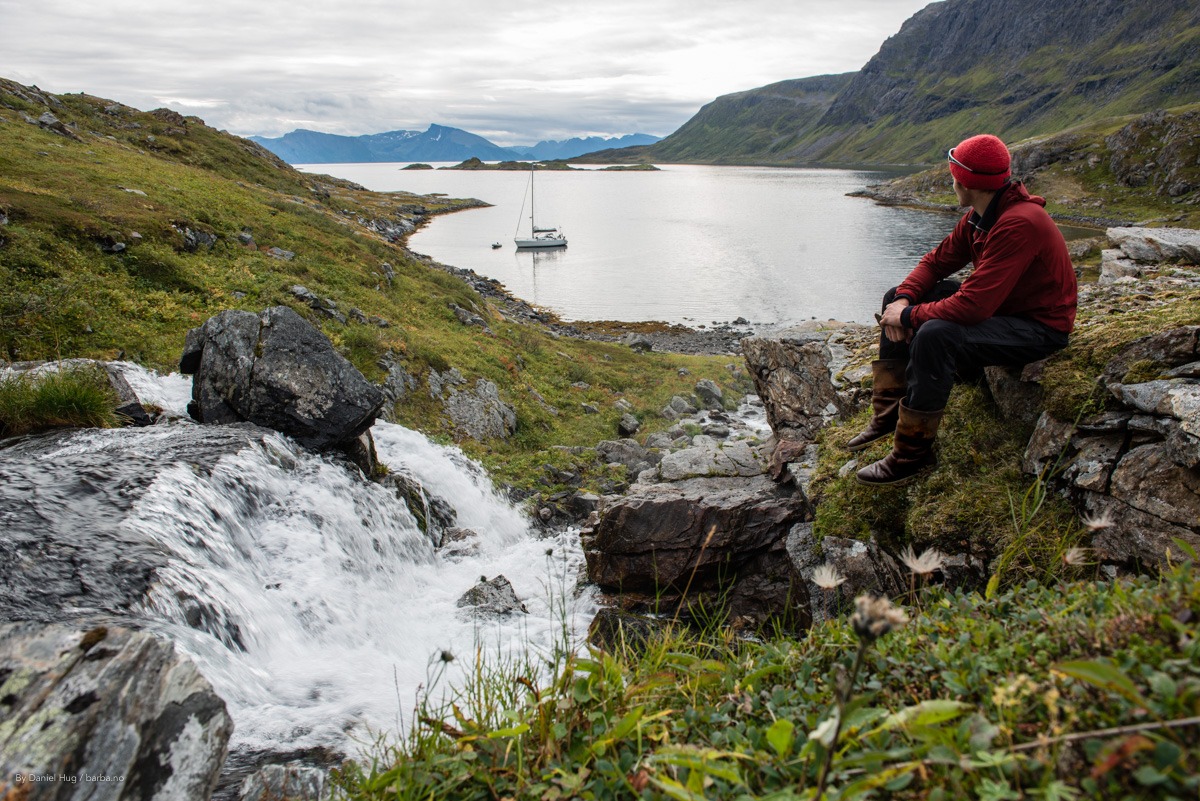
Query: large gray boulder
{"points": [[108, 713], [713, 542], [275, 369], [1157, 244]]}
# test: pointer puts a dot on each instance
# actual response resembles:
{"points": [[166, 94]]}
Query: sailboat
{"points": [[538, 237]]}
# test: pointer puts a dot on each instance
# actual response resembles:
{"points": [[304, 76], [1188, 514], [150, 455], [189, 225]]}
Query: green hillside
{"points": [[1016, 68], [122, 229]]}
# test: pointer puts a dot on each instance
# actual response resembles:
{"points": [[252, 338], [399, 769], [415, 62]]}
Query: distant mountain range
{"points": [[438, 143], [1016, 68]]}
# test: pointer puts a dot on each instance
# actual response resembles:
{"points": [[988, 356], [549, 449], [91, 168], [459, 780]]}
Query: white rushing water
{"points": [[340, 604]]}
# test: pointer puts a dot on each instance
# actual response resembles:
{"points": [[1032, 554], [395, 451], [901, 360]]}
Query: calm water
{"points": [[690, 244]]}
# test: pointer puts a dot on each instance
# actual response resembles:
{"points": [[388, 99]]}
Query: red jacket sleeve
{"points": [[1003, 258], [949, 257]]}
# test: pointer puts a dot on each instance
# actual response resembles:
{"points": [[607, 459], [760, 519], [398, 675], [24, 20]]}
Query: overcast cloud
{"points": [[516, 73]]}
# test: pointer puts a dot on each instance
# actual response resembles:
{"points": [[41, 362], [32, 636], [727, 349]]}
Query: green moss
{"points": [[965, 505]]}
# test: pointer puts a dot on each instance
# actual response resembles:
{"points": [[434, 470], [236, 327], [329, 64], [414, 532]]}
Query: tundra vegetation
{"points": [[120, 230]]}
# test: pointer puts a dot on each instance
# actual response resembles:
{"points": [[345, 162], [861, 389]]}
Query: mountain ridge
{"points": [[1016, 68], [437, 143]]}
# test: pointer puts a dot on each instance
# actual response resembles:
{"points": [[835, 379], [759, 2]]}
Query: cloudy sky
{"points": [[515, 72]]}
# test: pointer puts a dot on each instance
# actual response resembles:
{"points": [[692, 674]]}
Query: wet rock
{"points": [[491, 599], [293, 782], [276, 370], [433, 513], [459, 542], [110, 703], [65, 546]]}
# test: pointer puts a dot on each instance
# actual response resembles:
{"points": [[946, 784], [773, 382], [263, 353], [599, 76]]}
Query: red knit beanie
{"points": [[981, 162]]}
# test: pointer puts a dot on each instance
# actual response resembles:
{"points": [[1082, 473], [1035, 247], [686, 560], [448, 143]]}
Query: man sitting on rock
{"points": [[1017, 306]]}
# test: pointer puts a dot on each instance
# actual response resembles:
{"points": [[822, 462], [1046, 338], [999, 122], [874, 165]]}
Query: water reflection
{"points": [[687, 243]]}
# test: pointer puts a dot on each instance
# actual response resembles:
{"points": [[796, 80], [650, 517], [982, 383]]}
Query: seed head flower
{"points": [[1078, 557], [923, 565], [875, 617], [827, 577], [1097, 522]]}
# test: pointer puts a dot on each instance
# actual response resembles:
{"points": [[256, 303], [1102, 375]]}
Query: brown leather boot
{"points": [[888, 390], [912, 451]]}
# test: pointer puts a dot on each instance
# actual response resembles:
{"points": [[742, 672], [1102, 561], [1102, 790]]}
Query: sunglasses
{"points": [[952, 160]]}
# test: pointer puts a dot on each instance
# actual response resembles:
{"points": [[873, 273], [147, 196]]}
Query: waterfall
{"points": [[312, 600]]}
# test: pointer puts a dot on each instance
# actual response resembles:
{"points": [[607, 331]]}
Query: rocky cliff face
{"points": [[1017, 68]]}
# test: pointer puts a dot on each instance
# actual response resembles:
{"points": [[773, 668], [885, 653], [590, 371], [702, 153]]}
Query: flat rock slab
{"points": [[104, 713]]}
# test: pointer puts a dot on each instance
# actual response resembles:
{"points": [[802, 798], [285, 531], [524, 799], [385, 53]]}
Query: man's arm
{"points": [[949, 257], [1007, 255]]}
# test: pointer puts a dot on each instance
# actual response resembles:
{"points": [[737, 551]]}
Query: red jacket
{"points": [[1021, 267]]}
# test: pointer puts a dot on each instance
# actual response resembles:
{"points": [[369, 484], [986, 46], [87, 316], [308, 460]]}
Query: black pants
{"points": [[942, 352]]}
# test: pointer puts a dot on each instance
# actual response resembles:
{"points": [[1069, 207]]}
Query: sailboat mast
{"points": [[532, 205]]}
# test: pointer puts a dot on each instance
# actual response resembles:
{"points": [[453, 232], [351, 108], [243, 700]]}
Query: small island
{"points": [[418, 166], [475, 163]]}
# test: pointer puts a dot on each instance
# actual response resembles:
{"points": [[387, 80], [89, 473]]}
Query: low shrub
{"points": [[1076, 690]]}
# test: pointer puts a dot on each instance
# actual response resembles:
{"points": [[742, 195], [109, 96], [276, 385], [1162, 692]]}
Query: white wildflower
{"points": [[1097, 522], [827, 577], [923, 565], [1078, 557]]}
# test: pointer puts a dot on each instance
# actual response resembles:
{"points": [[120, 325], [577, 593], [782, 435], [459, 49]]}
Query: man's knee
{"points": [[936, 335], [889, 296]]}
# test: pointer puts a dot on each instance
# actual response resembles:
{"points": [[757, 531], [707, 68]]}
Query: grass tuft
{"points": [[78, 398]]}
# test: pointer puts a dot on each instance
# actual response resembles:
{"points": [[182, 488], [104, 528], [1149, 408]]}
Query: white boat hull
{"points": [[542, 242]]}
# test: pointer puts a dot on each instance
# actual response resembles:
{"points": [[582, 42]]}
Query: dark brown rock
{"points": [[703, 538]]}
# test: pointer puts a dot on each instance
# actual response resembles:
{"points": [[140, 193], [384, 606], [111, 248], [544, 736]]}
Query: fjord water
{"points": [[687, 244]]}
